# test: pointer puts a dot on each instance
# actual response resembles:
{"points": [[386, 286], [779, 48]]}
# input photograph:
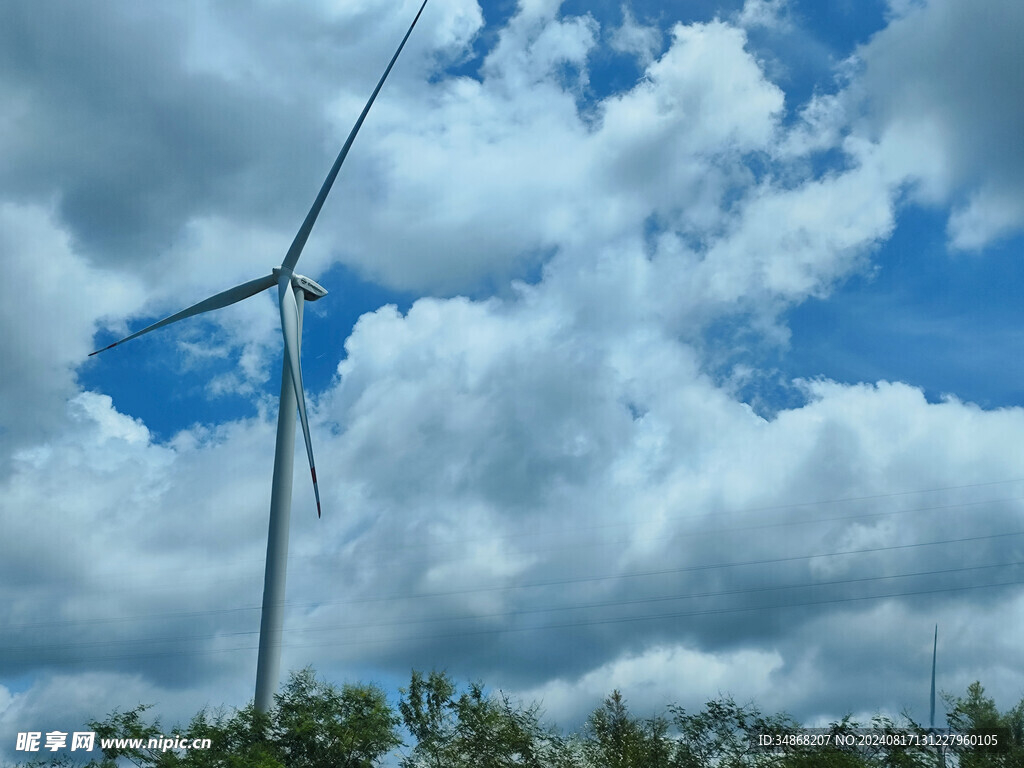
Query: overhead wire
{"points": [[38, 648], [518, 629], [578, 544], [522, 585]]}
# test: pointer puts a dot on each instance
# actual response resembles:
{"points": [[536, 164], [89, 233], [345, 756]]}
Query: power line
{"points": [[526, 611], [719, 514], [576, 545], [506, 630], [525, 585]]}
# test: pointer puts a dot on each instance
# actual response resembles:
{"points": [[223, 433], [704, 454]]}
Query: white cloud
{"points": [[497, 175], [656, 677], [636, 39], [529, 488], [790, 244], [771, 14], [990, 213], [822, 124], [465, 417], [493, 444]]}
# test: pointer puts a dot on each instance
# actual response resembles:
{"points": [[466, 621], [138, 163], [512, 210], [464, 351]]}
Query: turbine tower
{"points": [[940, 749], [931, 713], [292, 291]]}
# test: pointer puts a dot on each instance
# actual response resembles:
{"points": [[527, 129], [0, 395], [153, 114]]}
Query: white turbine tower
{"points": [[292, 291], [940, 749], [935, 648]]}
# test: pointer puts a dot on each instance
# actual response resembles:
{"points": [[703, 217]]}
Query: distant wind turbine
{"points": [[292, 291], [931, 714]]}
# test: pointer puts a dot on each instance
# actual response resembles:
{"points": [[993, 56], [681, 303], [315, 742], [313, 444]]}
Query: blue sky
{"points": [[635, 311], [944, 322], [918, 296], [144, 387]]}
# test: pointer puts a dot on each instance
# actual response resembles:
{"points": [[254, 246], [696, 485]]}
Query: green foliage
{"points": [[318, 726], [976, 714], [615, 739], [726, 732], [315, 724], [896, 756], [236, 741], [427, 712], [473, 730], [127, 725]]}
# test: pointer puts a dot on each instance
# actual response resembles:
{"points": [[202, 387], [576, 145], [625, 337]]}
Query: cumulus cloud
{"points": [[547, 179], [542, 485], [603, 495]]}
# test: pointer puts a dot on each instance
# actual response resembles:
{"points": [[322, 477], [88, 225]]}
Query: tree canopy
{"points": [[316, 724]]}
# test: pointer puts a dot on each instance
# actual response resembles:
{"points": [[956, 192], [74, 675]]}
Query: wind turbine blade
{"points": [[290, 329], [223, 299], [935, 647], [299, 243]]}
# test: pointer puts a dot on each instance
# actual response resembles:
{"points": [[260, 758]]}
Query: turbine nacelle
{"points": [[311, 289]]}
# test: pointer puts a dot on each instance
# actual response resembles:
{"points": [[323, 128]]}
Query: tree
{"points": [[976, 715], [237, 741], [497, 733], [312, 725], [911, 756], [128, 725], [725, 734], [427, 712], [615, 739], [317, 726], [474, 730]]}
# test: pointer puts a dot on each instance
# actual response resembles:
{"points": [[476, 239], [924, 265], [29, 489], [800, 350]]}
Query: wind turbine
{"points": [[292, 291], [931, 714]]}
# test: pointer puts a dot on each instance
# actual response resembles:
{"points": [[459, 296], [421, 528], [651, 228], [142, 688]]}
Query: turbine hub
{"points": [[311, 289]]}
